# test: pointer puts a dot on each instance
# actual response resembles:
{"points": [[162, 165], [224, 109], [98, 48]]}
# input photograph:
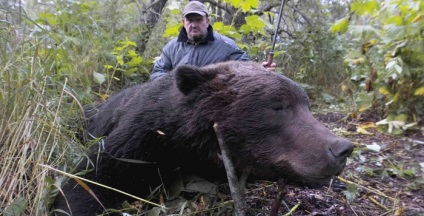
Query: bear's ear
{"points": [[189, 78]]}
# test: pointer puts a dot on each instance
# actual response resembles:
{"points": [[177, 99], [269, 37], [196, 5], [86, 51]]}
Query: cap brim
{"points": [[195, 12]]}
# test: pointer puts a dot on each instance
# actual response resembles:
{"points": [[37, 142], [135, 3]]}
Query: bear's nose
{"points": [[341, 149]]}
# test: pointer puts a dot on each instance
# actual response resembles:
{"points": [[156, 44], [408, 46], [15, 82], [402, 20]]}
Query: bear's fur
{"points": [[167, 125]]}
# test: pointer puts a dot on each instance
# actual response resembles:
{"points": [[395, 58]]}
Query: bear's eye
{"points": [[281, 107]]}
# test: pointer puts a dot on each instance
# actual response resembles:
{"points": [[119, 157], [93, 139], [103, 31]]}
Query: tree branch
{"points": [[237, 196]]}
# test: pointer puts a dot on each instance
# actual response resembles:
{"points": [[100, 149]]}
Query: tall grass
{"points": [[40, 117], [46, 75]]}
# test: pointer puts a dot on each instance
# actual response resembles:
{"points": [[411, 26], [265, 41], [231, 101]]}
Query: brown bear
{"points": [[151, 130]]}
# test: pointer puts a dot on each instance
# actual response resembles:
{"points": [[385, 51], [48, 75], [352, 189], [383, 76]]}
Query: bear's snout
{"points": [[340, 150]]}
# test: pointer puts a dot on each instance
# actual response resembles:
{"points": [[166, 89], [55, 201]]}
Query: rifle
{"points": [[271, 52]]}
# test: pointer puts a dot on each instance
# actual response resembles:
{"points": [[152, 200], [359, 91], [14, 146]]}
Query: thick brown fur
{"points": [[264, 118]]}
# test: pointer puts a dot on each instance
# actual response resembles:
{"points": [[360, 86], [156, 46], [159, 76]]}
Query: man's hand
{"points": [[270, 67]]}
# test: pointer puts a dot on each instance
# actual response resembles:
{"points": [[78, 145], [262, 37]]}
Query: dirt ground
{"points": [[384, 176]]}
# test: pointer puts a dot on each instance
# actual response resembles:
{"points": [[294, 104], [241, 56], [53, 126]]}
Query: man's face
{"points": [[196, 26]]}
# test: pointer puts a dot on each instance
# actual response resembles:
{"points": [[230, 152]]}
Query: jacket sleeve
{"points": [[239, 54], [162, 66], [236, 53]]}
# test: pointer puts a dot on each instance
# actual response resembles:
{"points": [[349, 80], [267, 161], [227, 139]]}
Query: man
{"points": [[197, 44]]}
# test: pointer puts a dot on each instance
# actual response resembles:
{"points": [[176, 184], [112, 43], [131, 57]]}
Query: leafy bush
{"points": [[387, 59]]}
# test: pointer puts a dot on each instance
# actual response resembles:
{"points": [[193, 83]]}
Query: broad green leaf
{"points": [[235, 3], [173, 30], [132, 53], [397, 20], [16, 208], [419, 91], [120, 59], [397, 95], [99, 78], [175, 12], [248, 4], [108, 66], [384, 91], [233, 34], [130, 43], [401, 117], [218, 25], [135, 61], [254, 50], [245, 28], [131, 71], [278, 53], [341, 26], [227, 30], [351, 192], [255, 23], [47, 17], [363, 7], [118, 49]]}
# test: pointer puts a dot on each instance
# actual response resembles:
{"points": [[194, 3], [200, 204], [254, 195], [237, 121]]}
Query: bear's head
{"points": [[264, 119]]}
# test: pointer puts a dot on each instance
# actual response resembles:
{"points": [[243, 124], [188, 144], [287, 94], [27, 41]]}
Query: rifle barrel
{"points": [[271, 52]]}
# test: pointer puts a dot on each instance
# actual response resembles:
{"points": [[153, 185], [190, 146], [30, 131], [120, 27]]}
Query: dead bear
{"points": [[167, 124]]}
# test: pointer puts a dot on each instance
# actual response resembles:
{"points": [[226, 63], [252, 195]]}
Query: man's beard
{"points": [[197, 38]]}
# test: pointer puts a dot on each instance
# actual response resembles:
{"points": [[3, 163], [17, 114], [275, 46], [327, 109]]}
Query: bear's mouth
{"points": [[311, 181], [317, 180]]}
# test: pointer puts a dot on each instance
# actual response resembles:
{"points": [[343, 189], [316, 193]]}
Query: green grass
{"points": [[39, 120], [46, 76]]}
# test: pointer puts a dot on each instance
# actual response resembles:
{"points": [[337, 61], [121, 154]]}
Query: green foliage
{"points": [[49, 66], [392, 59], [81, 34], [127, 62], [364, 7], [244, 5], [40, 117], [247, 36], [351, 193], [228, 30], [173, 20], [16, 208], [341, 26], [254, 24], [172, 30], [396, 124]]}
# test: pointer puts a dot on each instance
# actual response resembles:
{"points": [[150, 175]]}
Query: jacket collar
{"points": [[182, 37]]}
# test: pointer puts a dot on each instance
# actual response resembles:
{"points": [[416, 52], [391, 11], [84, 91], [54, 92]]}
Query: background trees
{"points": [[361, 57]]}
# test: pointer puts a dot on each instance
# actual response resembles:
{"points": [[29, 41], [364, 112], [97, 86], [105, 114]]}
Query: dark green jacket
{"points": [[179, 51]]}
